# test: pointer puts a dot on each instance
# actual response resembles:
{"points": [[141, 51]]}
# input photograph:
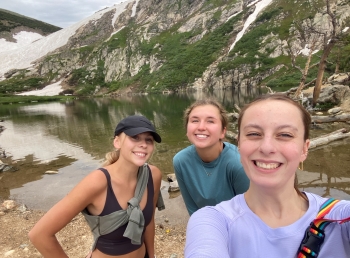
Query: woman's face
{"points": [[136, 149], [272, 143], [204, 127]]}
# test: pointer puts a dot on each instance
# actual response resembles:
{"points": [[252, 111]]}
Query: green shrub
{"points": [[16, 20], [20, 84]]}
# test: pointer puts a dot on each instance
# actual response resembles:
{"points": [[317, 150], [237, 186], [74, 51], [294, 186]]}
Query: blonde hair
{"points": [[111, 157], [204, 102]]}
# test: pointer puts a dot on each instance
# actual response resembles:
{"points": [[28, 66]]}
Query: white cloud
{"points": [[62, 13]]}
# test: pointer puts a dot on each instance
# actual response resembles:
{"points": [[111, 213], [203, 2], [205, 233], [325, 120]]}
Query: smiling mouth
{"points": [[267, 165], [140, 154], [202, 136]]}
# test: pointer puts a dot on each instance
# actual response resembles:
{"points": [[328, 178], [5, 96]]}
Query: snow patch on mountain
{"points": [[50, 90], [260, 5], [22, 38], [22, 56]]}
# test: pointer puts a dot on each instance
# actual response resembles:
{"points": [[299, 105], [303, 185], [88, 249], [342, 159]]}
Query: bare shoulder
{"points": [[94, 182], [156, 173]]}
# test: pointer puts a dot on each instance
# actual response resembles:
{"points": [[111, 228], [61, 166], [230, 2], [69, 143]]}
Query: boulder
{"points": [[173, 187], [334, 94], [340, 78], [171, 177], [9, 204]]}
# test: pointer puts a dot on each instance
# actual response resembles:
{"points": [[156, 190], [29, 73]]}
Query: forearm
{"points": [[49, 247], [149, 238], [206, 235]]}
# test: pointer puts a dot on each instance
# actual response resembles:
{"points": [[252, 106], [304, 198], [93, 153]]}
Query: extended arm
{"points": [[150, 229], [207, 235], [43, 233]]}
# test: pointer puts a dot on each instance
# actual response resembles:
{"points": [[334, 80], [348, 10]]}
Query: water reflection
{"points": [[73, 137], [331, 170]]}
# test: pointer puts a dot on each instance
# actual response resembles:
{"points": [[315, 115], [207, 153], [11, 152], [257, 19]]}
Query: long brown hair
{"points": [[305, 115]]}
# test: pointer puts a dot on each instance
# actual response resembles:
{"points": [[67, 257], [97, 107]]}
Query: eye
{"points": [[135, 137], [211, 121], [285, 135], [149, 139], [253, 134]]}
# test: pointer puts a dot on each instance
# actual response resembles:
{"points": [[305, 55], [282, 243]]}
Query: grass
{"points": [[10, 20], [181, 60]]}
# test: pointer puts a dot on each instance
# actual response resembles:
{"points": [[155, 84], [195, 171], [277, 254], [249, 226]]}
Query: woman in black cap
{"points": [[118, 200]]}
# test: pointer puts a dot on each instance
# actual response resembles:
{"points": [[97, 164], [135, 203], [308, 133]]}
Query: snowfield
{"points": [[50, 90], [31, 47], [23, 38]]}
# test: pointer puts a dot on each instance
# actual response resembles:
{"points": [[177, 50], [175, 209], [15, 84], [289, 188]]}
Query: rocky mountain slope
{"points": [[155, 46], [12, 23]]}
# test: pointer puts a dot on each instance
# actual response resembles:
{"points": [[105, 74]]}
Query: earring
{"points": [[301, 165]]}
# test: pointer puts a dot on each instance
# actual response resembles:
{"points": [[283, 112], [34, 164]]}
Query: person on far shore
{"points": [[273, 218], [118, 200], [209, 171]]}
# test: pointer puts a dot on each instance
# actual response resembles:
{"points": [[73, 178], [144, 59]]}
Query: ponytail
{"points": [[111, 157]]}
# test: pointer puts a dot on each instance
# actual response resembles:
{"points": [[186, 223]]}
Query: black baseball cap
{"points": [[133, 125]]}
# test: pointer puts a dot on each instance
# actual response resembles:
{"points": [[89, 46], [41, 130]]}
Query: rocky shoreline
{"points": [[16, 220]]}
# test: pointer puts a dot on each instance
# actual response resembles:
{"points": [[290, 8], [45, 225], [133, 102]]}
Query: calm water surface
{"points": [[72, 138]]}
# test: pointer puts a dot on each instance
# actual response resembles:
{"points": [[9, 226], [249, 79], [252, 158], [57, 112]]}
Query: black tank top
{"points": [[114, 243]]}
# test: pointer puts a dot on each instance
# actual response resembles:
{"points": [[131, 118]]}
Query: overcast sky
{"points": [[61, 13]]}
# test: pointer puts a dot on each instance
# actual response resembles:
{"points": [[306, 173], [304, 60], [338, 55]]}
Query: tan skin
{"points": [[205, 121], [91, 193], [272, 145]]}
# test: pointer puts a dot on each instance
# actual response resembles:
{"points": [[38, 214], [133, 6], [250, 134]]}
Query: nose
{"points": [[143, 143], [267, 145], [201, 125]]}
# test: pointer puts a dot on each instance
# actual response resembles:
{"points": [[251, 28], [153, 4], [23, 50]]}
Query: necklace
{"points": [[208, 174]]}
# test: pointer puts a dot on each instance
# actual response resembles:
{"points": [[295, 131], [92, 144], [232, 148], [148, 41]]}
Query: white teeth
{"points": [[140, 154], [267, 165], [201, 136]]}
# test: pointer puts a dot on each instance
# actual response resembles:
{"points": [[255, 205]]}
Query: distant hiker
{"points": [[209, 171], [118, 200]]}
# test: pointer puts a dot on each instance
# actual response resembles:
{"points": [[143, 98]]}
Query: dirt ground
{"points": [[75, 238]]}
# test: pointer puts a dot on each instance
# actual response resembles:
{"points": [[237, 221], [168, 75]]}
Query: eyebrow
{"points": [[207, 117], [279, 127]]}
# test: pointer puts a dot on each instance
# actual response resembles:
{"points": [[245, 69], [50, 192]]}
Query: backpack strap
{"points": [[314, 235]]}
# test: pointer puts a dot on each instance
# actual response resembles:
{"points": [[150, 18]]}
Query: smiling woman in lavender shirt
{"points": [[209, 171]]}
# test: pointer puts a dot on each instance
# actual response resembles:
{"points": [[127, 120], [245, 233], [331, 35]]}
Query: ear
{"points": [[223, 133], [305, 150], [117, 142]]}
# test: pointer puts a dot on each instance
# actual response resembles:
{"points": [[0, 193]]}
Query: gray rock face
{"points": [[334, 94], [117, 47]]}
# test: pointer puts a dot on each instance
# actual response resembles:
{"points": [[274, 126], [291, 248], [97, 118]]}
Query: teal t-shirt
{"points": [[207, 184]]}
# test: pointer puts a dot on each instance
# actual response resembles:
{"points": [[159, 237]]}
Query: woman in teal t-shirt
{"points": [[209, 171]]}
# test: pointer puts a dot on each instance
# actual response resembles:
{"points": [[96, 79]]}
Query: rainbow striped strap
{"points": [[314, 235]]}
